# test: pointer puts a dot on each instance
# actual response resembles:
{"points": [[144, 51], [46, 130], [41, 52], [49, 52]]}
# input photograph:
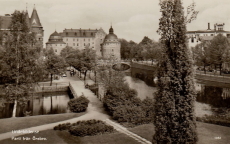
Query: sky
{"points": [[131, 19]]}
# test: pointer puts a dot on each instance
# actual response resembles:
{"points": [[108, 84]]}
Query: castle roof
{"points": [[34, 20], [111, 35], [79, 32]]}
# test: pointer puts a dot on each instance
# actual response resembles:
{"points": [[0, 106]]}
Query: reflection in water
{"points": [[208, 96], [39, 104], [142, 89]]}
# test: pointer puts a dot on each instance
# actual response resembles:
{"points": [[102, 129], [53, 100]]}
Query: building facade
{"points": [[56, 42], [195, 37], [96, 39], [111, 46], [33, 23]]}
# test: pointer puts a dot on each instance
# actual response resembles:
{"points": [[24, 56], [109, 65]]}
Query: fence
{"points": [[211, 77], [45, 87]]}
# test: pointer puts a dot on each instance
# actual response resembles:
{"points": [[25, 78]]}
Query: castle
{"points": [[33, 23], [105, 45]]}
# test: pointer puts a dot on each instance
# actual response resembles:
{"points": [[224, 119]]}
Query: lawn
{"points": [[207, 133], [17, 123]]}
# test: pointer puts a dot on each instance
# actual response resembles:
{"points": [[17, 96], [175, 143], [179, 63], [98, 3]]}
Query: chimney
{"points": [[208, 26]]}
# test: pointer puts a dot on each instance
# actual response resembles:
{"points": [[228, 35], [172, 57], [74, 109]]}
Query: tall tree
{"points": [[55, 65], [174, 118], [19, 59], [201, 53], [219, 50]]}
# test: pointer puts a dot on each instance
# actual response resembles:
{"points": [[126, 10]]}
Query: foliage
{"points": [[19, 67], [201, 54], [86, 128], [219, 50], [174, 117], [218, 120], [55, 65], [65, 52], [78, 104]]}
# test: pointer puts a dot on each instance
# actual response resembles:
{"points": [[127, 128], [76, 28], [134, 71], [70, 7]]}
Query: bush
{"points": [[85, 128], [218, 120], [78, 104]]}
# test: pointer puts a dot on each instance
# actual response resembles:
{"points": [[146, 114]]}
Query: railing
{"points": [[213, 77], [45, 87], [72, 90]]}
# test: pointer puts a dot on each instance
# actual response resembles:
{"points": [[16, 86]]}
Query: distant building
{"points": [[195, 37], [80, 38], [33, 23], [106, 46], [56, 42], [111, 46]]}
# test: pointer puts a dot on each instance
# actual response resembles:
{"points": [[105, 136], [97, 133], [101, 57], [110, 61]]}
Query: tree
{"points": [[174, 118], [146, 41], [65, 52], [125, 49], [201, 54], [18, 62], [55, 64], [219, 50]]}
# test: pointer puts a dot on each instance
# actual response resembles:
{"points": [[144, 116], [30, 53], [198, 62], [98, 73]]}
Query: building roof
{"points": [[111, 35], [34, 20], [55, 34], [208, 31], [55, 42], [79, 32], [5, 22]]}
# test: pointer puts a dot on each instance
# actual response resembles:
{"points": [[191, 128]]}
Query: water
{"points": [[210, 95], [39, 104]]}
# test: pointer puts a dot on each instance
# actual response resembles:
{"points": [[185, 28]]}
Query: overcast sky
{"points": [[131, 19]]}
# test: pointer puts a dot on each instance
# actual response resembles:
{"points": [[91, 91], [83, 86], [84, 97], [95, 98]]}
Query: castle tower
{"points": [[37, 28], [111, 46]]}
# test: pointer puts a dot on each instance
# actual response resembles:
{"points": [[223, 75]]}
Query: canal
{"points": [[210, 96], [39, 104]]}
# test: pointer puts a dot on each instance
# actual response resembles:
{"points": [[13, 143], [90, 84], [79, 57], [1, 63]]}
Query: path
{"points": [[95, 110]]}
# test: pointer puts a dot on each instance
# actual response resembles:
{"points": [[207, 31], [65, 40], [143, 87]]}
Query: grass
{"points": [[63, 137], [207, 133], [17, 123]]}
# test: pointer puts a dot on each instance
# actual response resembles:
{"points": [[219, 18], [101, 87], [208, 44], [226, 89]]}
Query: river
{"points": [[210, 95]]}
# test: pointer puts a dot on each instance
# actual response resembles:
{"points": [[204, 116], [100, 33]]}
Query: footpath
{"points": [[95, 110]]}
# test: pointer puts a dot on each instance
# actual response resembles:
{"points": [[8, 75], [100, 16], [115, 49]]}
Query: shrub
{"points": [[85, 128], [218, 120], [78, 104]]}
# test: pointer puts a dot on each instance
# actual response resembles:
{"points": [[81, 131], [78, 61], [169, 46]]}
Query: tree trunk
{"points": [[51, 79], [85, 75], [14, 109], [204, 69], [220, 69]]}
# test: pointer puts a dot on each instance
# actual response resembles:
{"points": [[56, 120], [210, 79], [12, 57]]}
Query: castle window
{"points": [[77, 39], [73, 44], [211, 34], [192, 40], [112, 50], [83, 33], [91, 34], [89, 44], [55, 50], [66, 33], [84, 44], [77, 44], [84, 39], [75, 34]]}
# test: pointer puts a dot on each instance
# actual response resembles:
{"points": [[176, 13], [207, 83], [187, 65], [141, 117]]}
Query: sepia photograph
{"points": [[114, 72]]}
